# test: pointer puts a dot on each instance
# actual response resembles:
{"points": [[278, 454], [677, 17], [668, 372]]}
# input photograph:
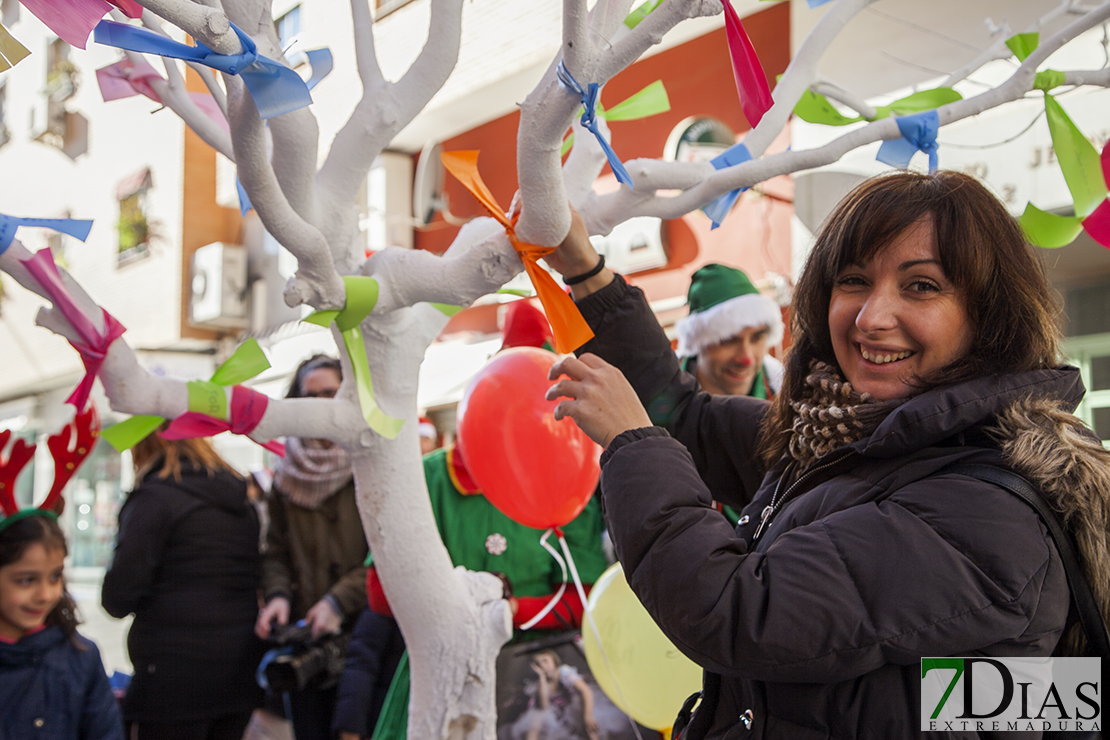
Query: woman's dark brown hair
{"points": [[41, 529], [982, 250], [170, 455]]}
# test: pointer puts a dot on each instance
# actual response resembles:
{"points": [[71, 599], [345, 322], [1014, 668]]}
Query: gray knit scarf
{"points": [[832, 414], [309, 475]]}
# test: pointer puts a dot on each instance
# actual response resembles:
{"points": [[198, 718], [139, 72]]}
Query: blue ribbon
{"points": [[816, 3], [8, 225], [275, 88], [244, 200], [919, 133], [589, 118], [322, 64], [719, 208]]}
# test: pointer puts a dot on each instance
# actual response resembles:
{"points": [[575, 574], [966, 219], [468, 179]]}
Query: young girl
{"points": [[52, 683]]}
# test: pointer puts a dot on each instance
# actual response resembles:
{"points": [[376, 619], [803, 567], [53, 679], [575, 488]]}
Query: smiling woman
{"points": [[925, 335]]}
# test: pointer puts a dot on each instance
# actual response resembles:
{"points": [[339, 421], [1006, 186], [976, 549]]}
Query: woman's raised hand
{"points": [[599, 398]]}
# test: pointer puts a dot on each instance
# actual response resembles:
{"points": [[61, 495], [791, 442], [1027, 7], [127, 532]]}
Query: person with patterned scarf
{"points": [[925, 335], [313, 565]]}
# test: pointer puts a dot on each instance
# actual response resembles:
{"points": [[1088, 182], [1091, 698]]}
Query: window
{"points": [[1091, 354], [52, 122], [61, 74], [9, 12], [288, 26], [5, 130], [133, 227], [385, 7]]}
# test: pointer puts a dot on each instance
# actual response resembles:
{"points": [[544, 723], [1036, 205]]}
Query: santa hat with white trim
{"points": [[723, 302]]}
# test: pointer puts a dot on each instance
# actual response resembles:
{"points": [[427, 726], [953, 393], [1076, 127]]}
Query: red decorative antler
{"points": [[11, 468], [86, 425]]}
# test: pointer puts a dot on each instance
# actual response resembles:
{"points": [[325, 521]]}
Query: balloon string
{"points": [[593, 626], [562, 588]]}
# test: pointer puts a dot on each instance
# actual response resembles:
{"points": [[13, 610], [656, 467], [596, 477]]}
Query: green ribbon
{"points": [[1047, 229], [633, 19], [205, 396], [650, 101], [1049, 79], [1079, 161], [814, 107], [1023, 44], [362, 296], [1082, 170]]}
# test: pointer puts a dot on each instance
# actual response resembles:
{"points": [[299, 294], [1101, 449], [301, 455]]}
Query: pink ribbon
{"points": [[125, 79], [751, 81], [1097, 225], [247, 408], [94, 343], [74, 20]]}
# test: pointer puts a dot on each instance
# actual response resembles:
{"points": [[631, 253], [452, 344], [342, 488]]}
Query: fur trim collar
{"points": [[716, 324], [1068, 464]]}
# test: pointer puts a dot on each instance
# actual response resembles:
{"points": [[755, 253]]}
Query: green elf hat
{"points": [[723, 302]]}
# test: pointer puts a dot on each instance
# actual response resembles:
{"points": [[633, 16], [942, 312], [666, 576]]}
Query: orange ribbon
{"points": [[570, 329]]}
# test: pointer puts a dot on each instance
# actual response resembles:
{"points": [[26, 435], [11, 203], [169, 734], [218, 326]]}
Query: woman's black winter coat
{"points": [[187, 566], [880, 558]]}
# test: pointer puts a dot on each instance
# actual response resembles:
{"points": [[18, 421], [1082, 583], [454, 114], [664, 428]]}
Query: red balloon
{"points": [[537, 471]]}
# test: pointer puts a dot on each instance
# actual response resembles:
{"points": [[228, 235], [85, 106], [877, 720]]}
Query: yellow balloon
{"points": [[637, 667]]}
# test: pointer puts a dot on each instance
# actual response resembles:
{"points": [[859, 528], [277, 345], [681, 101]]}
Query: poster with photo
{"points": [[543, 689]]}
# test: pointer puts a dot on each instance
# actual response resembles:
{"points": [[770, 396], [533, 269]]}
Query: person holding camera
{"points": [[186, 564], [312, 569]]}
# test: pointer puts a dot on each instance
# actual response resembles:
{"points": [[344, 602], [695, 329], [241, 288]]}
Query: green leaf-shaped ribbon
{"points": [[1023, 44], [633, 19], [1078, 159], [205, 396], [815, 108], [1049, 230], [1082, 170], [362, 296], [650, 101]]}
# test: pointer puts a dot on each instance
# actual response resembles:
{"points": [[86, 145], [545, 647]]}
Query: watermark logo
{"points": [[1011, 694]]}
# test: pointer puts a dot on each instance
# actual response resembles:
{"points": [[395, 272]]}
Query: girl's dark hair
{"points": [[312, 363], [20, 535], [1013, 312]]}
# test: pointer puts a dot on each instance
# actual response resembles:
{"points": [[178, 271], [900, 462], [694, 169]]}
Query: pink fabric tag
{"points": [[247, 408], [94, 345], [1098, 223], [72, 20]]}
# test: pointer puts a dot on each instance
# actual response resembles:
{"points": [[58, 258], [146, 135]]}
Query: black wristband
{"points": [[586, 275]]}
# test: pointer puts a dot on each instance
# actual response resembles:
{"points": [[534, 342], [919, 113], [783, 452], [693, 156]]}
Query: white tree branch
{"points": [[844, 97], [387, 108], [800, 74], [207, 25], [317, 283], [604, 211]]}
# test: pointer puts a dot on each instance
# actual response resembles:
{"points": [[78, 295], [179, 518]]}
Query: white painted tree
{"points": [[454, 621]]}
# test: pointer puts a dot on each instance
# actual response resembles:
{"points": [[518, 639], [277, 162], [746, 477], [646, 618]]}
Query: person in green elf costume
{"points": [[723, 342], [481, 538], [725, 338]]}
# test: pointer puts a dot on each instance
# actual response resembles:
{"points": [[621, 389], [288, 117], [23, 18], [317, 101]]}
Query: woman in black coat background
{"points": [[187, 566]]}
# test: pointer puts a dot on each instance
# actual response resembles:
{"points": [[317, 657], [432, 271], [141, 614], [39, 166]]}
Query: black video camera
{"points": [[316, 663]]}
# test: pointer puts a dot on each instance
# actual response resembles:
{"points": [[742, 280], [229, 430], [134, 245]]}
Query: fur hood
{"points": [[1067, 463]]}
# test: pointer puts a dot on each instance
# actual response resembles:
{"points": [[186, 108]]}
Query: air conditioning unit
{"points": [[219, 287], [633, 246]]}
